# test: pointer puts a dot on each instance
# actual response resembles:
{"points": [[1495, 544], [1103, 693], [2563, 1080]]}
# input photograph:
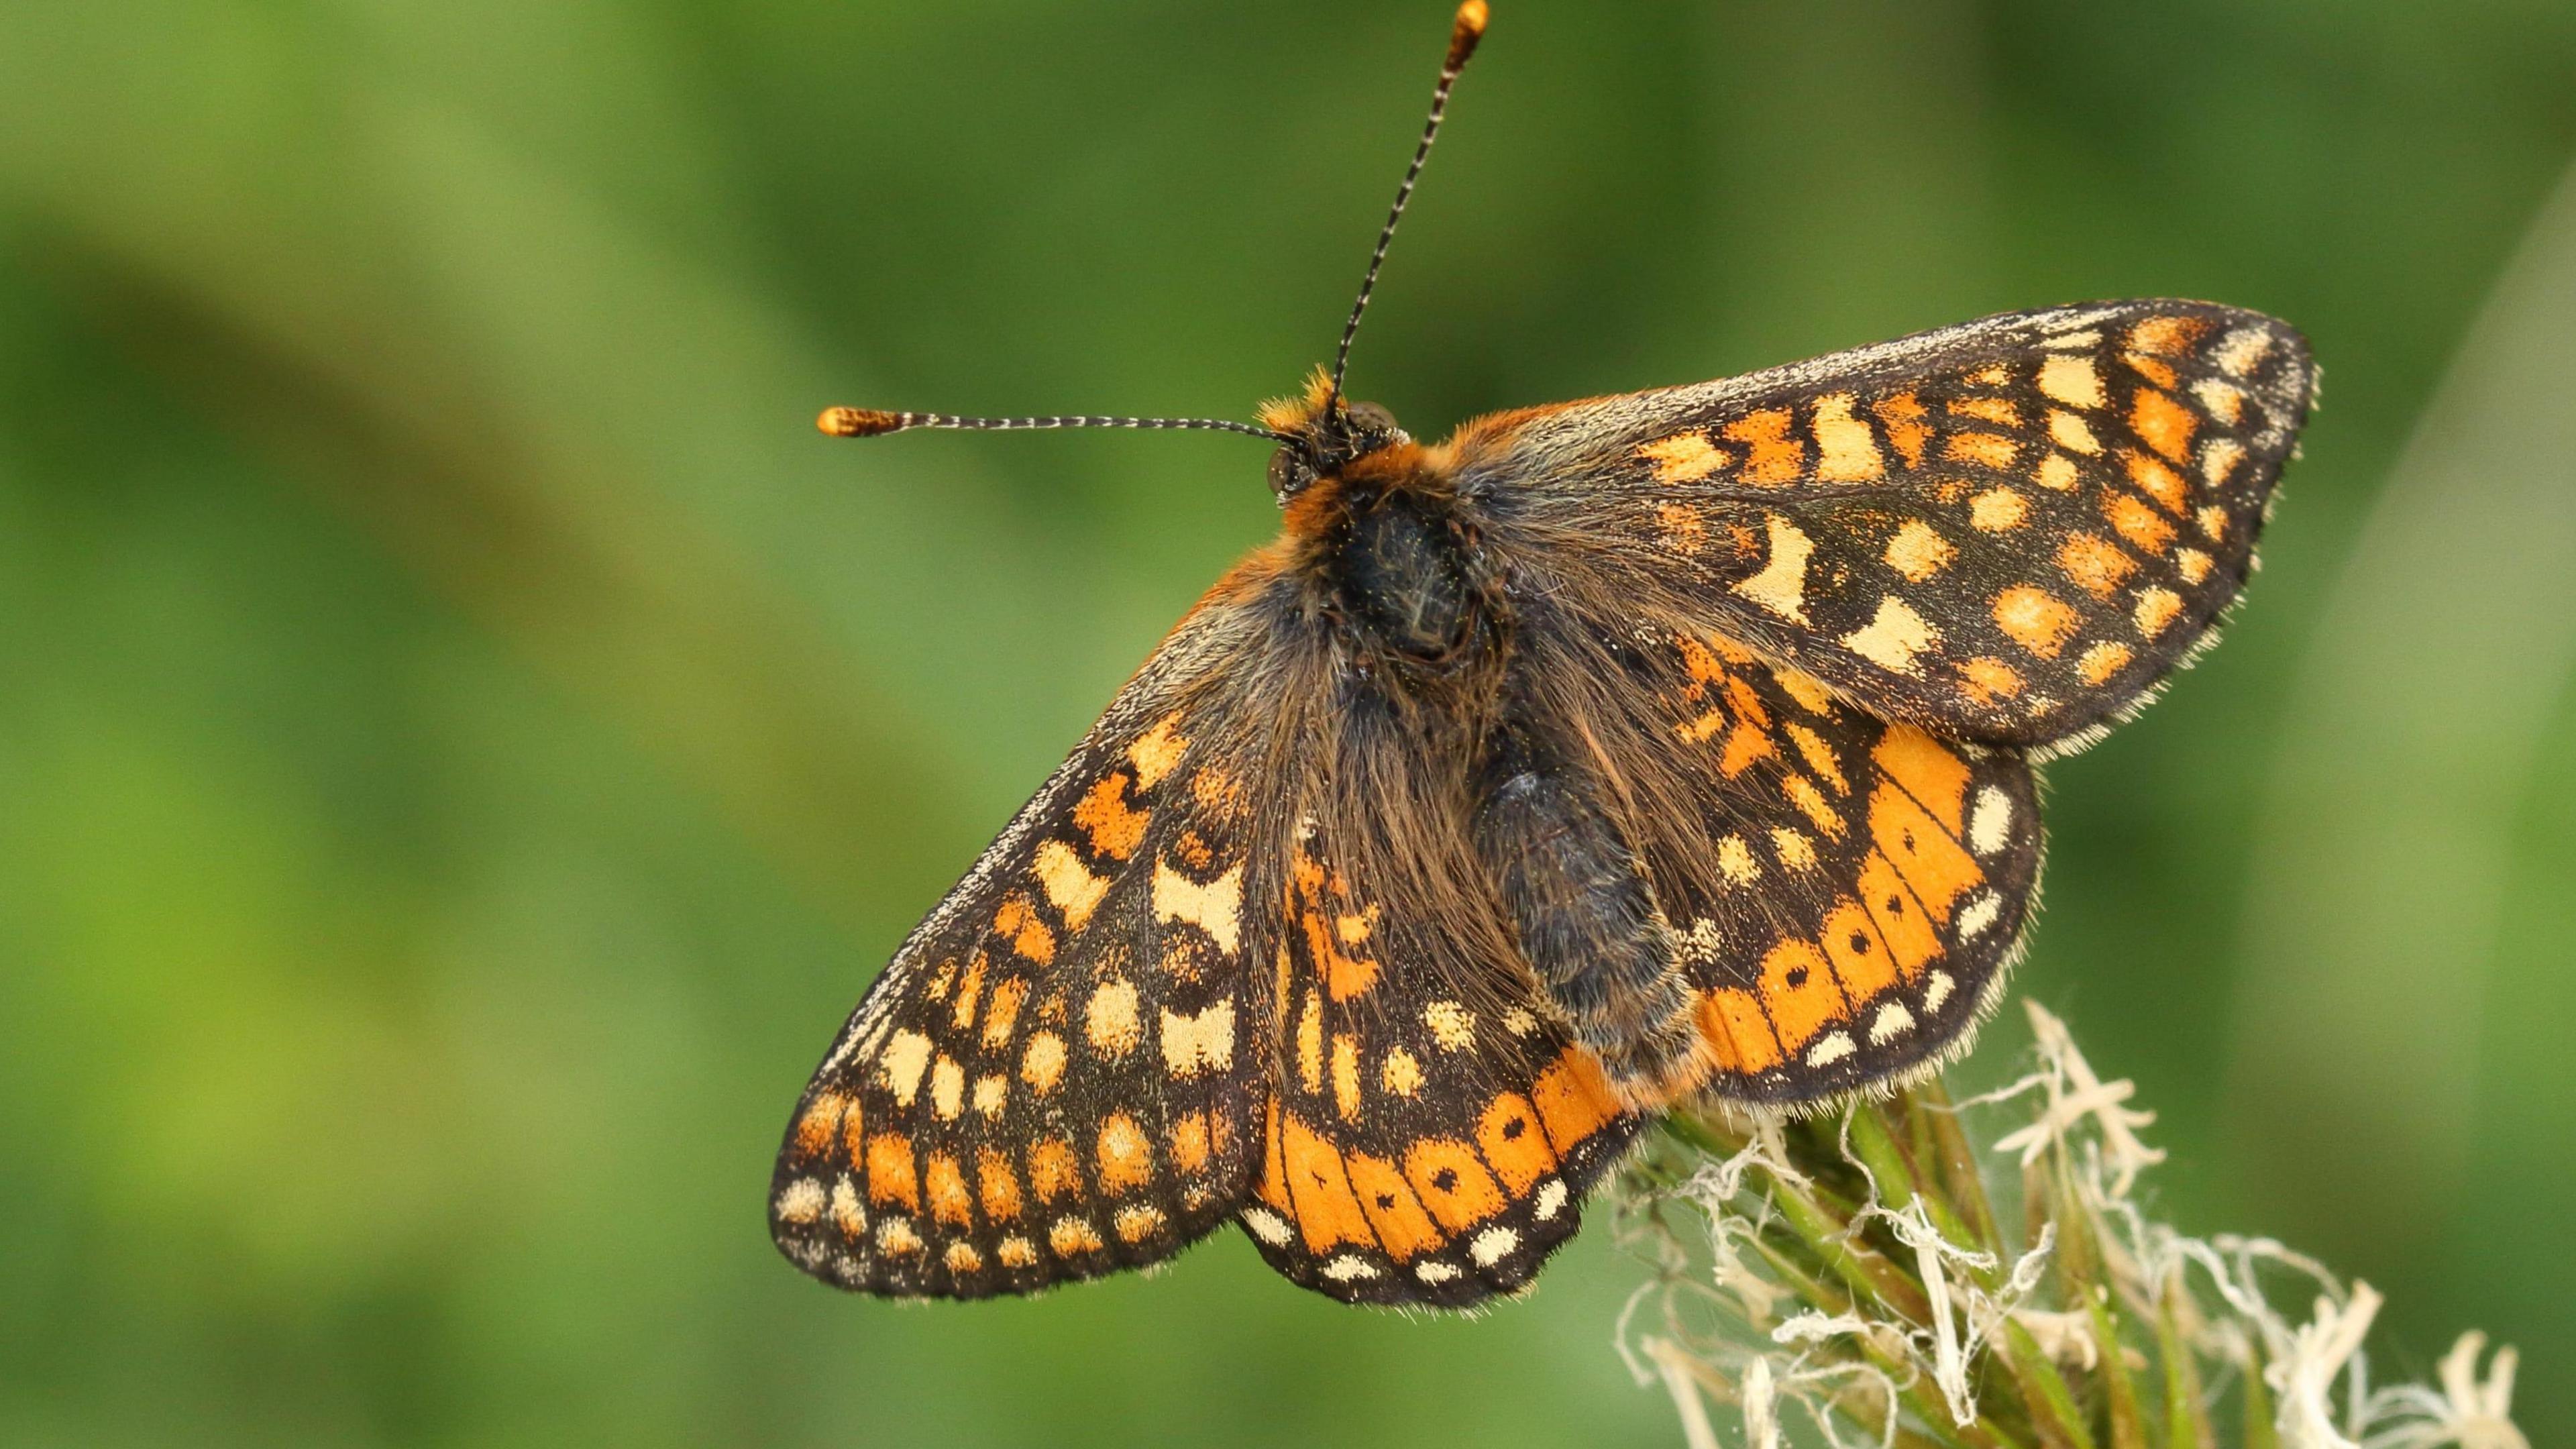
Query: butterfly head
{"points": [[1322, 435]]}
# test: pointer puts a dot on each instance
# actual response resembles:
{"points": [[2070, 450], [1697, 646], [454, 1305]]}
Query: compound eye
{"points": [[1289, 473], [1368, 417]]}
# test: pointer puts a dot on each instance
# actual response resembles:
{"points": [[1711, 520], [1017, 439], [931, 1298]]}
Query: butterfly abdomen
{"points": [[1584, 916]]}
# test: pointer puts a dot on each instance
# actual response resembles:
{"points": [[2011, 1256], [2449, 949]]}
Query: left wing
{"points": [[2008, 531]]}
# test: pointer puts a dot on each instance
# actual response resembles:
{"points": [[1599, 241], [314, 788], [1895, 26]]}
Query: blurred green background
{"points": [[465, 740]]}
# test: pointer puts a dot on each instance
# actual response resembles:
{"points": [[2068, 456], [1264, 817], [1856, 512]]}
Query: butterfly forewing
{"points": [[1059, 1075], [2009, 530]]}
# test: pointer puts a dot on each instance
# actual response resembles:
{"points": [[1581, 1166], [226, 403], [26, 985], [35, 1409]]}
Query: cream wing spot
{"points": [[802, 1202], [1781, 586], [1918, 551], [1215, 907], [1070, 886], [1893, 636], [1109, 1022], [1200, 1043], [2071, 379], [1452, 1025], [1990, 824], [907, 1055], [1892, 1021], [947, 1089]]}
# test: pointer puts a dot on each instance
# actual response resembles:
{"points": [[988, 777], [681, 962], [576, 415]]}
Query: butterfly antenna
{"points": [[870, 422], [1464, 32]]}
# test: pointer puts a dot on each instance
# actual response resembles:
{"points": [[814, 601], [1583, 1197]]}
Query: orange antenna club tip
{"points": [[858, 422], [1463, 35]]}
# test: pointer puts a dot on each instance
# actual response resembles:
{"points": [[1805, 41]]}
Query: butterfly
{"points": [[1603, 756]]}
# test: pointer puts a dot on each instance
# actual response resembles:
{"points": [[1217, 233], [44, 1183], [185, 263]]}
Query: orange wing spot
{"points": [[1452, 1182], [2166, 424], [890, 1171], [1683, 457], [2036, 619], [2096, 564], [2192, 564], [1701, 665], [1158, 750], [1995, 375], [946, 1183], [1750, 740], [2153, 371], [1217, 791], [1846, 453], [2213, 522], [1345, 975], [1903, 416], [1273, 1186], [1861, 960], [1000, 1186], [1509, 1133], [2140, 524], [1190, 1143], [820, 1124], [1054, 1171], [1935, 866], [970, 993], [1731, 1022], [854, 1142], [1042, 1065], [2157, 481], [1125, 1158], [1773, 455], [2101, 662], [1403, 1228], [1809, 691], [1683, 530], [962, 1258], [1017, 1253], [1325, 1208], [1986, 679], [2166, 336], [1574, 1099], [1017, 922], [1115, 828], [1996, 410], [1346, 1076], [1928, 771], [1004, 1012], [1990, 450], [1819, 756], [1911, 940], [1798, 988]]}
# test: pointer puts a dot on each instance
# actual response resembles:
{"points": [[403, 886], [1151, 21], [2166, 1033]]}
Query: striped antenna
{"points": [[870, 422], [1464, 32]]}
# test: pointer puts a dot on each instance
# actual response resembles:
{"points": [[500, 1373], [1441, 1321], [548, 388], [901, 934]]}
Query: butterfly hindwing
{"points": [[1431, 1138], [1864, 887], [1056, 1077], [2008, 531]]}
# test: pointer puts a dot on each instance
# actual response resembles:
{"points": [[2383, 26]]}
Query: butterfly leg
{"points": [[1585, 917]]}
